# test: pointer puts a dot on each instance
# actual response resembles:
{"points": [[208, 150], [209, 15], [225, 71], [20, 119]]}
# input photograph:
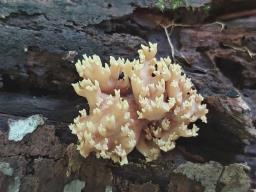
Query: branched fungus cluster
{"points": [[145, 103]]}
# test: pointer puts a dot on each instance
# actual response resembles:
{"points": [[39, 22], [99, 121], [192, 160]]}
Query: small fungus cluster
{"points": [[145, 103]]}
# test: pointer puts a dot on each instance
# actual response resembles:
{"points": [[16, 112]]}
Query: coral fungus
{"points": [[145, 103]]}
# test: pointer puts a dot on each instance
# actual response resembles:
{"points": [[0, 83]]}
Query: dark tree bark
{"points": [[41, 40]]}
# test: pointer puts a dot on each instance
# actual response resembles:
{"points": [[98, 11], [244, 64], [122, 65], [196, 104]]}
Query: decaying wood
{"points": [[41, 40]]}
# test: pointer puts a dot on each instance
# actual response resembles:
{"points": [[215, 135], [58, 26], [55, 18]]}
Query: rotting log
{"points": [[41, 40]]}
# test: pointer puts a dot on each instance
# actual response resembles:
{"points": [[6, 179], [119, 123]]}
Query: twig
{"points": [[170, 43], [243, 49], [222, 25], [172, 25], [250, 53]]}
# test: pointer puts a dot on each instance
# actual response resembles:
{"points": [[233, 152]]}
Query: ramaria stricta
{"points": [[145, 103]]}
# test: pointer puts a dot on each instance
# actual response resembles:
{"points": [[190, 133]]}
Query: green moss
{"points": [[178, 3], [160, 4], [175, 4]]}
